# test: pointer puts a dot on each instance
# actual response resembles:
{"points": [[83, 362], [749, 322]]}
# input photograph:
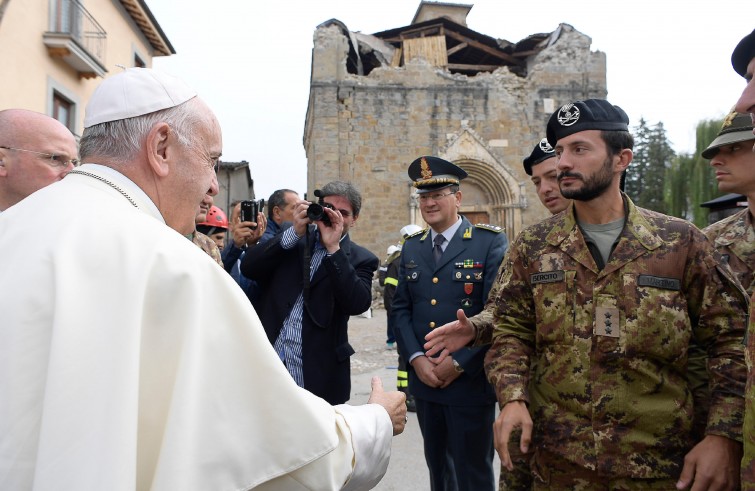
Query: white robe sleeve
{"points": [[363, 452]]}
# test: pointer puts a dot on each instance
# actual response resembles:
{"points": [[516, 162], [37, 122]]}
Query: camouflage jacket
{"points": [[208, 245], [609, 387], [748, 460], [734, 238]]}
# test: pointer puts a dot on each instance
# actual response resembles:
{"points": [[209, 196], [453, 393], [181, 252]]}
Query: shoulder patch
{"points": [[487, 226]]}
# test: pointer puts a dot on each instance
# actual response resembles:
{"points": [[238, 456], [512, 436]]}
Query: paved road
{"points": [[407, 469]]}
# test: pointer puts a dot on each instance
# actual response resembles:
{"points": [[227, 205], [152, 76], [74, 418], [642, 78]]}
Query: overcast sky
{"points": [[250, 60]]}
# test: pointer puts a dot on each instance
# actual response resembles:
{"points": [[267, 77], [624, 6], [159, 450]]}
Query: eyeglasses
{"points": [[56, 161], [434, 197]]}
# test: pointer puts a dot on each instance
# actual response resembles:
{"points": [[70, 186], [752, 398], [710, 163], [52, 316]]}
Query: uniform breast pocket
{"points": [[412, 276], [656, 321], [470, 283], [555, 305]]}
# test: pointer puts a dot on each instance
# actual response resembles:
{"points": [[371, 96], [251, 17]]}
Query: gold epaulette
{"points": [[487, 226]]}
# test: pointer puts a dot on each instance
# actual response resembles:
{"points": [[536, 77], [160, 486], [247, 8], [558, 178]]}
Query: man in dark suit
{"points": [[444, 268], [312, 278]]}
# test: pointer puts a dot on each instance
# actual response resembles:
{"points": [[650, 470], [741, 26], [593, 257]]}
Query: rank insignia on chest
{"points": [[457, 275], [467, 233], [478, 275], [411, 264], [468, 288], [466, 302], [607, 322]]}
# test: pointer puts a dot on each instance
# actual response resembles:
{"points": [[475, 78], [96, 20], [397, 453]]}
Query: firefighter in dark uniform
{"points": [[389, 282], [448, 267]]}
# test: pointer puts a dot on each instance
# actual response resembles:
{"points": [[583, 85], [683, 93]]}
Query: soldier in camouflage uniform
{"points": [[207, 245], [605, 299], [541, 166], [732, 158], [743, 61], [733, 161]]}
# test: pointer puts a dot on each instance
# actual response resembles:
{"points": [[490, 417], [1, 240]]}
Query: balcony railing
{"points": [[76, 36]]}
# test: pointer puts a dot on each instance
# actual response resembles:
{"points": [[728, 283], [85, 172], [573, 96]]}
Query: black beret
{"points": [[737, 128], [743, 53], [592, 114], [431, 173], [542, 151]]}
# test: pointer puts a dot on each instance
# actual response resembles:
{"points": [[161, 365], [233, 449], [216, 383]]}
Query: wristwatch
{"points": [[457, 367]]}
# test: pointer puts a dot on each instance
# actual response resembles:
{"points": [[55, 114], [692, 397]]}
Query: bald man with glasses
{"points": [[35, 151]]}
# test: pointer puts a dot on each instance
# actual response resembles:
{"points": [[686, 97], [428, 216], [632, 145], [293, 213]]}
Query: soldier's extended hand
{"points": [[423, 367], [712, 464], [450, 337], [514, 414], [394, 402]]}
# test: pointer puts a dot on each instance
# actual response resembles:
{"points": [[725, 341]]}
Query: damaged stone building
{"points": [[436, 87]]}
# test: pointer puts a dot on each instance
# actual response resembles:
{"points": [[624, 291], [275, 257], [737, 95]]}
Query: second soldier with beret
{"points": [[605, 299], [448, 267]]}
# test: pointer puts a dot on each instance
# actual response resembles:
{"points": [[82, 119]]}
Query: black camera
{"points": [[316, 211], [250, 209]]}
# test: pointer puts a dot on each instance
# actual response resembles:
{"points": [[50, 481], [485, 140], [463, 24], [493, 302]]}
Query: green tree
{"points": [[653, 156], [634, 183], [676, 192], [690, 180]]}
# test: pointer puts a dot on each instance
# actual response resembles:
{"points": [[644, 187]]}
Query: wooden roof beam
{"points": [[482, 47]]}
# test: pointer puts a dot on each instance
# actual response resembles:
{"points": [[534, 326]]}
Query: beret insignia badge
{"points": [[568, 115], [545, 146]]}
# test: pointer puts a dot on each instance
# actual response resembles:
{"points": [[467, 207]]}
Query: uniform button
{"points": [[435, 280], [433, 301], [469, 277], [432, 325]]}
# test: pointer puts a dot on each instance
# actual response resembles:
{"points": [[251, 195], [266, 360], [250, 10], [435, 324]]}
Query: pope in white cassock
{"points": [[132, 361]]}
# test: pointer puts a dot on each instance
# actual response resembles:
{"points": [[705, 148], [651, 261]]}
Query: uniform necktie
{"points": [[437, 250]]}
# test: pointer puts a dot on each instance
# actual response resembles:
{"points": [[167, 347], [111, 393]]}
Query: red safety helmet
{"points": [[215, 218]]}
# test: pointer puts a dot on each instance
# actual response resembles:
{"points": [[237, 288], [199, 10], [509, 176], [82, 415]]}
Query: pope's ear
{"points": [[160, 144]]}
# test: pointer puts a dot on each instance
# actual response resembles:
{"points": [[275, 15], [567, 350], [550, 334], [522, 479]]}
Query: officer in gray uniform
{"points": [[449, 266]]}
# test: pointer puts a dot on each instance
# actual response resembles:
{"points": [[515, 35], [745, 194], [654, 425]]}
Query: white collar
{"points": [[447, 233], [143, 202]]}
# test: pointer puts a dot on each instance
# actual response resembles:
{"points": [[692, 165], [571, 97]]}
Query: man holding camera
{"points": [[312, 279]]}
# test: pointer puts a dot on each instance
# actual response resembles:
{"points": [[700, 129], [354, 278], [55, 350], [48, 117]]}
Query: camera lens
{"points": [[315, 212]]}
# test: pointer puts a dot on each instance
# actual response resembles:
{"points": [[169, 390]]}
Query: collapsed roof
{"points": [[444, 43]]}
